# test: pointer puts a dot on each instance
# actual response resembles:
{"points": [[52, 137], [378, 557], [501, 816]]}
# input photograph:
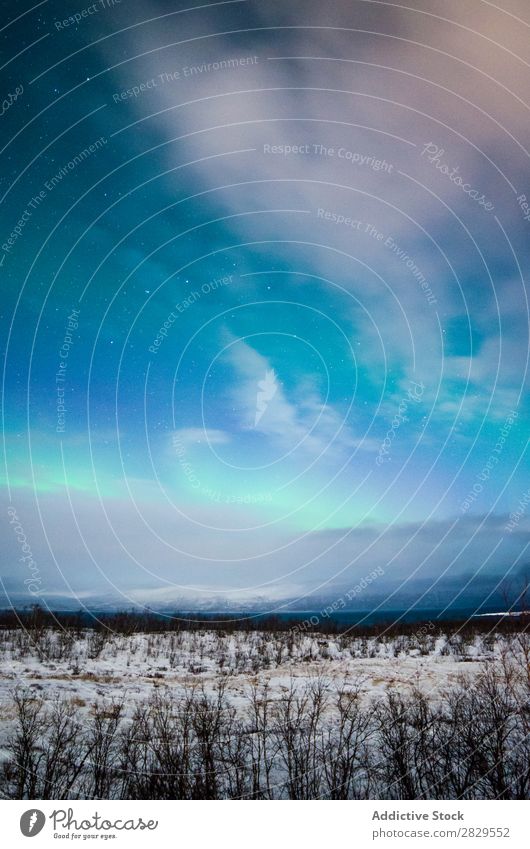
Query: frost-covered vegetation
{"points": [[217, 713]]}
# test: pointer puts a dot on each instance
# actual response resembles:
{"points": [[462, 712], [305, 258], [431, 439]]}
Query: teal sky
{"points": [[271, 329]]}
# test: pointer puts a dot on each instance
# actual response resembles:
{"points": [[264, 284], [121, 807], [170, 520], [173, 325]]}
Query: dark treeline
{"points": [[306, 742], [129, 622]]}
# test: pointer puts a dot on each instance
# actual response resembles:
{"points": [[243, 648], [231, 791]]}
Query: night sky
{"points": [[264, 272]]}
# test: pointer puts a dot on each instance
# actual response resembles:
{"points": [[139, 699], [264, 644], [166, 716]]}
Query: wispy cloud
{"points": [[297, 419], [198, 436]]}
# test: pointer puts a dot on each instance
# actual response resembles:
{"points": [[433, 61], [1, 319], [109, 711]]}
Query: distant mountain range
{"points": [[466, 592]]}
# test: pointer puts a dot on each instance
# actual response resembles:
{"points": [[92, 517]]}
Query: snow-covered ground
{"points": [[90, 666]]}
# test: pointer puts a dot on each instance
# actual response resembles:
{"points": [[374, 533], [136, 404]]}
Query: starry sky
{"points": [[264, 272]]}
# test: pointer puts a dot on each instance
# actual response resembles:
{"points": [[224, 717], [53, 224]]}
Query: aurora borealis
{"points": [[264, 272]]}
